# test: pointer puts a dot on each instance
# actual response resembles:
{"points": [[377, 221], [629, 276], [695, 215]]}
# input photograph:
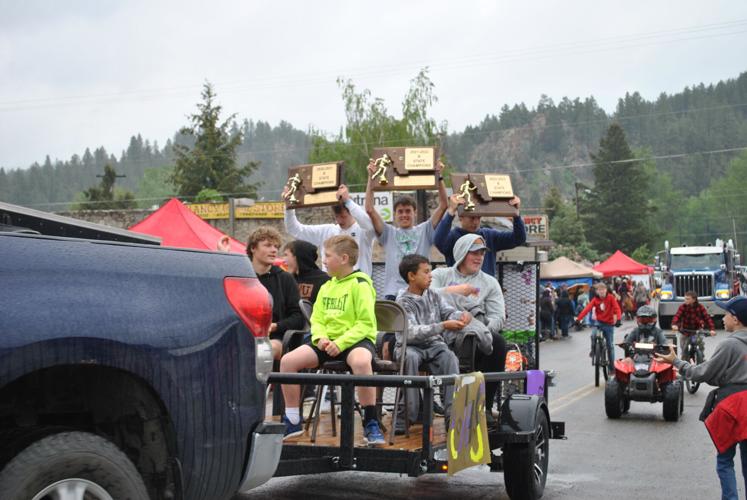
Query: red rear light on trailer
{"points": [[251, 302]]}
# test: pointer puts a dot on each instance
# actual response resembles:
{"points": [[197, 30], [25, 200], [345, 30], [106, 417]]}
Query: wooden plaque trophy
{"points": [[405, 169], [484, 195], [313, 185]]}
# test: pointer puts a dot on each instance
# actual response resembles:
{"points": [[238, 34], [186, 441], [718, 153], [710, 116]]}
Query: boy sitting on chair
{"points": [[428, 317], [343, 328]]}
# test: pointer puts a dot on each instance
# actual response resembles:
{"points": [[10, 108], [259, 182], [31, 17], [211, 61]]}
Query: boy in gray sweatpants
{"points": [[428, 317]]}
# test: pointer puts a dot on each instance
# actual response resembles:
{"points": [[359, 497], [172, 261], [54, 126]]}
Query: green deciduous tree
{"points": [[211, 162], [618, 215], [155, 186], [369, 125], [721, 210]]}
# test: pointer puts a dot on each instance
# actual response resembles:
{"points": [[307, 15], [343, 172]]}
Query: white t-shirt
{"points": [[399, 242], [362, 230]]}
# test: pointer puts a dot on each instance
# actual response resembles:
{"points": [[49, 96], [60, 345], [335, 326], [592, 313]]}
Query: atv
{"points": [[639, 377]]}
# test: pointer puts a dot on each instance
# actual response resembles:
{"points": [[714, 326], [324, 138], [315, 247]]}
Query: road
{"points": [[637, 456]]}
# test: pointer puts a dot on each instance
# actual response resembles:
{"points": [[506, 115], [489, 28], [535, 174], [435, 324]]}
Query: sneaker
{"points": [[325, 406], [399, 427], [291, 430], [372, 433], [438, 409]]}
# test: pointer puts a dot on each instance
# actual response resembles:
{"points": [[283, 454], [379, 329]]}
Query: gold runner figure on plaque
{"points": [[466, 195], [382, 163], [293, 184]]}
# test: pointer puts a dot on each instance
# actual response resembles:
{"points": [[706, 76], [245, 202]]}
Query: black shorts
{"points": [[343, 356]]}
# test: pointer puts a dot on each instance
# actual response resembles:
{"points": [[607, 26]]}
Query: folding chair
{"points": [[391, 317]]}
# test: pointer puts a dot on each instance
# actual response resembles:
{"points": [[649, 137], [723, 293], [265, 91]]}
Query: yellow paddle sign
{"points": [[467, 435]]}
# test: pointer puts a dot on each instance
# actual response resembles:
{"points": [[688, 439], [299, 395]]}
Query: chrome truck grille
{"points": [[702, 284]]}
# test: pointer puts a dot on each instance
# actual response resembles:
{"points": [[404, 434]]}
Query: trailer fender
{"points": [[519, 412]]}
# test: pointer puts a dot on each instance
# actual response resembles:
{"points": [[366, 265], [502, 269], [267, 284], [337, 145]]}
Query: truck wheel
{"points": [[614, 403], [525, 465], [672, 401], [72, 465]]}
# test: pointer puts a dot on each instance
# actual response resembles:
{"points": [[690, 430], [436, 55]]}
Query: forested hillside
{"points": [[689, 138]]}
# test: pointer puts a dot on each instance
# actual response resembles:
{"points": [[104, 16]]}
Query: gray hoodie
{"points": [[425, 316], [728, 365], [490, 295]]}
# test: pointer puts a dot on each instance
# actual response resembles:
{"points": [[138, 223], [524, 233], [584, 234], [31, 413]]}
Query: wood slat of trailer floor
{"points": [[324, 434]]}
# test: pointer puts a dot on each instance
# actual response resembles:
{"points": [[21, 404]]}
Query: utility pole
{"points": [[734, 230], [575, 185]]}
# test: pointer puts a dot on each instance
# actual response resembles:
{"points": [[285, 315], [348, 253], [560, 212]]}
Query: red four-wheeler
{"points": [[639, 377]]}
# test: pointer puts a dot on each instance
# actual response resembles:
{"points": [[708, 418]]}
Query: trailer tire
{"points": [[526, 464], [72, 459]]}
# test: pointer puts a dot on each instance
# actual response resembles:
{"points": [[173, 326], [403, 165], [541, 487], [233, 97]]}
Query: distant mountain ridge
{"points": [[536, 146]]}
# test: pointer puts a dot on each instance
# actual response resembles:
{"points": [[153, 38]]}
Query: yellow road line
{"points": [[570, 394], [578, 395]]}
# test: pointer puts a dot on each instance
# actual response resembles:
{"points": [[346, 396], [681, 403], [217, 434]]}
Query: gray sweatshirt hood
{"points": [[462, 245]]}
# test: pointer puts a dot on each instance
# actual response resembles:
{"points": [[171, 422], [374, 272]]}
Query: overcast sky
{"points": [[79, 74]]}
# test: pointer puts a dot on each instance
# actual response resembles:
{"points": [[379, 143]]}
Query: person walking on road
{"points": [[564, 312], [725, 413]]}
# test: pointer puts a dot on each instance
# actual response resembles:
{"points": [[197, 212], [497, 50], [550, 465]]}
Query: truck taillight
{"points": [[251, 302]]}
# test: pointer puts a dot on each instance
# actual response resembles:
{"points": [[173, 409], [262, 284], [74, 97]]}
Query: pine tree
{"points": [[619, 212], [211, 163]]}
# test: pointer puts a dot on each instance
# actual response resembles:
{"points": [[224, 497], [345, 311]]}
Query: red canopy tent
{"points": [[620, 264], [178, 226]]}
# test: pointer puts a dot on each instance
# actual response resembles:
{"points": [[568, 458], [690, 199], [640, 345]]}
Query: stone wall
{"points": [[243, 227]]}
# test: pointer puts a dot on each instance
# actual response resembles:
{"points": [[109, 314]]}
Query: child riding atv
{"points": [[639, 377], [646, 331]]}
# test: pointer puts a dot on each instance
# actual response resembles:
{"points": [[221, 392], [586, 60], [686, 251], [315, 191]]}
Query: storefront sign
{"points": [[536, 226], [260, 210]]}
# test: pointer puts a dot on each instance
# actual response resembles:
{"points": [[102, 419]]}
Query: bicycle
{"points": [[694, 353], [599, 355]]}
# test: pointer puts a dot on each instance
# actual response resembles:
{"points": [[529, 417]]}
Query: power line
{"points": [[636, 160], [529, 53], [290, 149], [572, 166]]}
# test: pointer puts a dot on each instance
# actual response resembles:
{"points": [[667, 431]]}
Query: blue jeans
{"points": [[565, 322], [725, 470], [609, 337]]}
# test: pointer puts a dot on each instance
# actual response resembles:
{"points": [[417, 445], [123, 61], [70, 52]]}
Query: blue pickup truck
{"points": [[128, 370]]}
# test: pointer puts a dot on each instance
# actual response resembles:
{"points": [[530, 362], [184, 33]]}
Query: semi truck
{"points": [[711, 271]]}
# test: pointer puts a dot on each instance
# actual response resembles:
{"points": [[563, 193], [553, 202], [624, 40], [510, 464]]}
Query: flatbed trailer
{"points": [[518, 443]]}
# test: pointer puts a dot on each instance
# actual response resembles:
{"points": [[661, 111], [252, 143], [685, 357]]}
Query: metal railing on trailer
{"points": [[523, 426]]}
